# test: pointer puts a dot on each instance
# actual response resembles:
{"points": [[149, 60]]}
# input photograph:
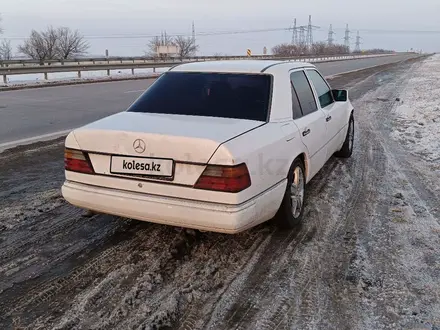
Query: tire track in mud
{"points": [[195, 312], [67, 219], [42, 293], [258, 283], [202, 292], [393, 281], [302, 301], [410, 166]]}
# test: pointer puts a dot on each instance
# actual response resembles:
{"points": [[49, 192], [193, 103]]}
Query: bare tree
{"points": [[41, 45], [186, 46], [70, 43], [5, 50], [163, 40]]}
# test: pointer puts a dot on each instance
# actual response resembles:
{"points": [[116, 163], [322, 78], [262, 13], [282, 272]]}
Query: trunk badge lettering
{"points": [[139, 146]]}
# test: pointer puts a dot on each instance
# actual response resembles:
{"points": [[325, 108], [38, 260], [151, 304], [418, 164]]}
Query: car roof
{"points": [[236, 66]]}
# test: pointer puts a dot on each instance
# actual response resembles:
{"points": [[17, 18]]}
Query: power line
{"points": [[147, 36]]}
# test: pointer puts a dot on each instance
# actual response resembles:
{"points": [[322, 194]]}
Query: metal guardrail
{"points": [[94, 60], [20, 67]]}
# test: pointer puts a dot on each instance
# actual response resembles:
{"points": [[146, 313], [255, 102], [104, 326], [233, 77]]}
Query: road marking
{"points": [[141, 90], [33, 139], [357, 70]]}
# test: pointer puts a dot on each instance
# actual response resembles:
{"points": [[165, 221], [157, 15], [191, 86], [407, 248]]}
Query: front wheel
{"points": [[291, 210], [347, 147]]}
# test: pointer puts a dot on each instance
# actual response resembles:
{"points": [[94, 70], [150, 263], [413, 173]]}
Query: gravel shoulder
{"points": [[366, 257]]}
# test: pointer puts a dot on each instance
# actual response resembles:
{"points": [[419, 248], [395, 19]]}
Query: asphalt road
{"points": [[50, 111]]}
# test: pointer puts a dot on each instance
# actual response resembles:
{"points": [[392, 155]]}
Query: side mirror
{"points": [[340, 95]]}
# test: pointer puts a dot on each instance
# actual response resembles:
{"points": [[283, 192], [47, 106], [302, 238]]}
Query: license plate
{"points": [[141, 166]]}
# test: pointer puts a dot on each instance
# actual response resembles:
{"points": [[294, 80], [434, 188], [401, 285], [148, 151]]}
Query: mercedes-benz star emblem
{"points": [[139, 146]]}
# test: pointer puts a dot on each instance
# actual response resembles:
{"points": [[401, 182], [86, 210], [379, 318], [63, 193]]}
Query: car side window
{"points": [[324, 92], [296, 107], [301, 86]]}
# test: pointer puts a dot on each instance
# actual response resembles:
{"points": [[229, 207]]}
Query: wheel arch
{"points": [[305, 160]]}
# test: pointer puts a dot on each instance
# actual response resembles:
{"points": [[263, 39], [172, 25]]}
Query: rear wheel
{"points": [[291, 210], [347, 147]]}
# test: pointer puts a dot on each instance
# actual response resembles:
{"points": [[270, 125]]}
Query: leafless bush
{"points": [[319, 48], [374, 51], [286, 50], [5, 50], [53, 43], [186, 46]]}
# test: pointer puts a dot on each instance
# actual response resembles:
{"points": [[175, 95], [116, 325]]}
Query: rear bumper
{"points": [[222, 218]]}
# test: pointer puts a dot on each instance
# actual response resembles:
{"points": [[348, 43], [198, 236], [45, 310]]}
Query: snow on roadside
{"points": [[419, 111], [31, 80]]}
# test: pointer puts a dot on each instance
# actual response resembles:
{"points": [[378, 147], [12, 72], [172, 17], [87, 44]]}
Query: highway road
{"points": [[32, 114]]}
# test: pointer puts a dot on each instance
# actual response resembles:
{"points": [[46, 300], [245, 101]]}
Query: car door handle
{"points": [[306, 132], [328, 118]]}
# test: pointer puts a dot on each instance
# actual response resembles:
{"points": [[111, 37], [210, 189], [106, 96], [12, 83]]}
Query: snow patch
{"points": [[418, 112]]}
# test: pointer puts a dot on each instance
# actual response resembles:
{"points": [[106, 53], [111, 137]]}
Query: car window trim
{"points": [[271, 86], [293, 90], [312, 88], [315, 92]]}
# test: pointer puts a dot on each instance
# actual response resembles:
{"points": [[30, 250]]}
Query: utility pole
{"points": [[358, 43], [310, 27], [194, 37], [294, 33], [302, 35], [347, 37], [330, 39]]}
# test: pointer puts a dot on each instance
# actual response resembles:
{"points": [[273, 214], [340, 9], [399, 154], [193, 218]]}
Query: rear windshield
{"points": [[228, 95]]}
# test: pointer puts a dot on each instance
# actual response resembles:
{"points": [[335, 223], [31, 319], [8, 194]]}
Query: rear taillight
{"points": [[77, 161], [224, 178]]}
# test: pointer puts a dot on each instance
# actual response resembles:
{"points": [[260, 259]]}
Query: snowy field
{"points": [[418, 111]]}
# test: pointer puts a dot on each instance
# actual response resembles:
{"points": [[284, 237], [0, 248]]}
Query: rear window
{"points": [[228, 95]]}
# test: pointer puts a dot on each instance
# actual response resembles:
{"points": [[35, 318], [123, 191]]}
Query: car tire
{"points": [[347, 148], [291, 211]]}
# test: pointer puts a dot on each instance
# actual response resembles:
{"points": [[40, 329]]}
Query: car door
{"points": [[333, 110], [309, 119]]}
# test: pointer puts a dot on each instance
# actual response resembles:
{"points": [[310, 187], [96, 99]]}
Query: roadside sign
{"points": [[249, 52]]}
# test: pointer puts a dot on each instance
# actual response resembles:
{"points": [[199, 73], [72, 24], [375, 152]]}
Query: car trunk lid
{"points": [[180, 138]]}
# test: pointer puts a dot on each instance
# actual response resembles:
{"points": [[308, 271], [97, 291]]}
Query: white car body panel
{"points": [[229, 219], [196, 137], [193, 143], [315, 142]]}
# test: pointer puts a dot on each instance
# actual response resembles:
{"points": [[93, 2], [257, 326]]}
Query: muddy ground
{"points": [[366, 257]]}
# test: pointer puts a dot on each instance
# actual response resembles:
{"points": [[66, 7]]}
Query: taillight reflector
{"points": [[77, 161], [224, 178]]}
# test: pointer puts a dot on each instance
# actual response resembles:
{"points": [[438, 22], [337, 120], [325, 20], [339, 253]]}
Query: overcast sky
{"points": [[110, 17]]}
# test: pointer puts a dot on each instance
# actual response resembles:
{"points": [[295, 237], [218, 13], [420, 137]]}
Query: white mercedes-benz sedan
{"points": [[217, 146]]}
